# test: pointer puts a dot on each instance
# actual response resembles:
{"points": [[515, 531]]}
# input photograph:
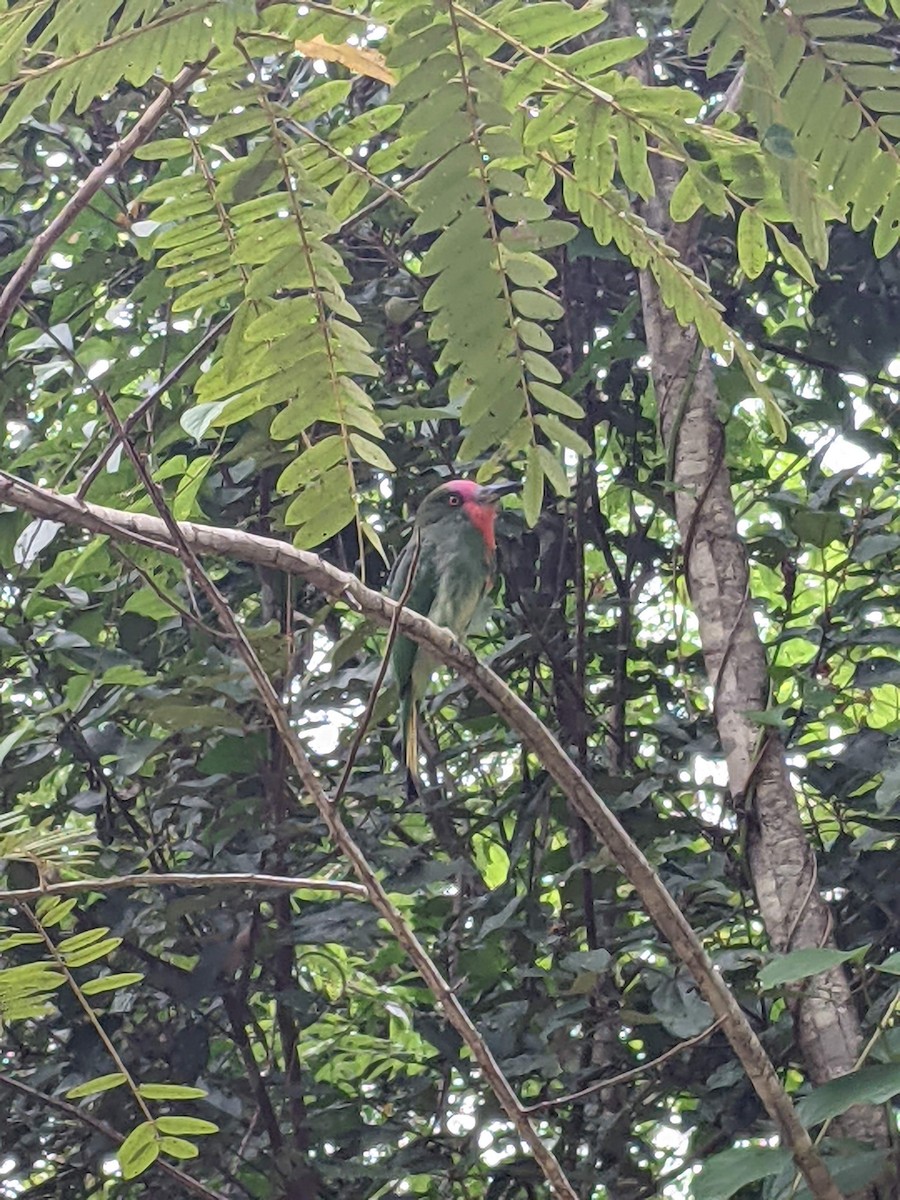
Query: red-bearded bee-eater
{"points": [[454, 552]]}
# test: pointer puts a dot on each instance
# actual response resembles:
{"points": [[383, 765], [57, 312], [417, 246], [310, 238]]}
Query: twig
{"points": [[288, 883], [120, 153], [78, 1114], [659, 905], [626, 1076]]}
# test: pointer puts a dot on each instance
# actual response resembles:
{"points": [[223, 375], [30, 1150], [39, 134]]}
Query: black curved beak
{"points": [[491, 493]]}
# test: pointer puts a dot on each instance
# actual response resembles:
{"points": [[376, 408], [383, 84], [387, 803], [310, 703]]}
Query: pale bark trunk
{"points": [[781, 862]]}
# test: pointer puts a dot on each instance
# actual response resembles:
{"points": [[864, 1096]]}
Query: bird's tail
{"points": [[410, 745]]}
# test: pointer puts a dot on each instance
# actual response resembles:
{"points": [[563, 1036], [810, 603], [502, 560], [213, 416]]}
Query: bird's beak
{"points": [[492, 493]]}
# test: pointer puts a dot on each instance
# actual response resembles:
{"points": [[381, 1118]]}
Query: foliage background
{"points": [[335, 292]]}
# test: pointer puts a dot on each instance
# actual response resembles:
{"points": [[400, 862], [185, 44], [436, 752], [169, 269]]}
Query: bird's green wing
{"points": [[420, 599]]}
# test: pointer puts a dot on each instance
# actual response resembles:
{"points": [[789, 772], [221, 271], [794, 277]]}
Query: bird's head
{"points": [[464, 500]]}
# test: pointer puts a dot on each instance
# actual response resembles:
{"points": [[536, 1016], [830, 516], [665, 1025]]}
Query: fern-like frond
{"points": [[102, 43], [823, 88]]}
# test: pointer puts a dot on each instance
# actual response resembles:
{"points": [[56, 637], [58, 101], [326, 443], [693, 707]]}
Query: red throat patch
{"points": [[481, 515]]}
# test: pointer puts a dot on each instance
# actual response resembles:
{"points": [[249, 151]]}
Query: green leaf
{"points": [[20, 939], [554, 399], [722, 1175], [165, 148], [80, 940], [81, 958], [170, 1091], [794, 257], [179, 1125], [139, 1150], [685, 199], [371, 453], [125, 676], [543, 25], [751, 243], [178, 1148], [869, 1085], [533, 491], [537, 306], [802, 964], [312, 463], [891, 964], [103, 1083], [111, 983], [558, 432], [50, 910]]}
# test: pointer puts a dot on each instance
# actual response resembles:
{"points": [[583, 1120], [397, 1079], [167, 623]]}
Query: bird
{"points": [[452, 552]]}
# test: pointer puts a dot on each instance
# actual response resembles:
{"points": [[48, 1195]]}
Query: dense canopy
{"points": [[277, 270]]}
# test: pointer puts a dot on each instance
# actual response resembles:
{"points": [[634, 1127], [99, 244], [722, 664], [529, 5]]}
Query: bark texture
{"points": [[781, 861]]}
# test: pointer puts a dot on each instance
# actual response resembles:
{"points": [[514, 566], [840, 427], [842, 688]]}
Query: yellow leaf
{"points": [[357, 61]]}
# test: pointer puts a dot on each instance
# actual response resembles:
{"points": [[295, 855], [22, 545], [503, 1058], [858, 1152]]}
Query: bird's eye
{"points": [[453, 499]]}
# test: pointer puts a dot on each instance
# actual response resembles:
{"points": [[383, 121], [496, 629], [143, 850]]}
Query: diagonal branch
{"points": [[662, 909]]}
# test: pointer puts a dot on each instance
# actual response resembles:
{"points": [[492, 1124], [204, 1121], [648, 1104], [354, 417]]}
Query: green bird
{"points": [[454, 552]]}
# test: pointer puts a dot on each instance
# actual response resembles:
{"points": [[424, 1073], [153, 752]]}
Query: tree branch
{"points": [[287, 883], [666, 915]]}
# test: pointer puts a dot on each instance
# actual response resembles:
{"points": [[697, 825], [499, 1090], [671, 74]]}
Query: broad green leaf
{"points": [[554, 399], [139, 1151], [190, 1125], [537, 306], [170, 1091], [80, 940], [81, 958], [50, 910], [802, 964], [178, 1148], [562, 434], [722, 1175], [869, 1085], [371, 453], [111, 983], [20, 939], [751, 243], [547, 24], [312, 463], [533, 491], [103, 1083]]}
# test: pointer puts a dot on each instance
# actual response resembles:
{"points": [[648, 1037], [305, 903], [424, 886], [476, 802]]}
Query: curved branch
{"points": [[659, 905]]}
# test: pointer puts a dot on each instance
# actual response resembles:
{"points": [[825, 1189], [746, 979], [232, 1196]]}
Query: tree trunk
{"points": [[781, 862]]}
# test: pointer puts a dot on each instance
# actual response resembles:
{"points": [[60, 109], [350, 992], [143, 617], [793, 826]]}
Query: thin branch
{"points": [[442, 645], [286, 883], [627, 1076], [120, 153], [78, 1114]]}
